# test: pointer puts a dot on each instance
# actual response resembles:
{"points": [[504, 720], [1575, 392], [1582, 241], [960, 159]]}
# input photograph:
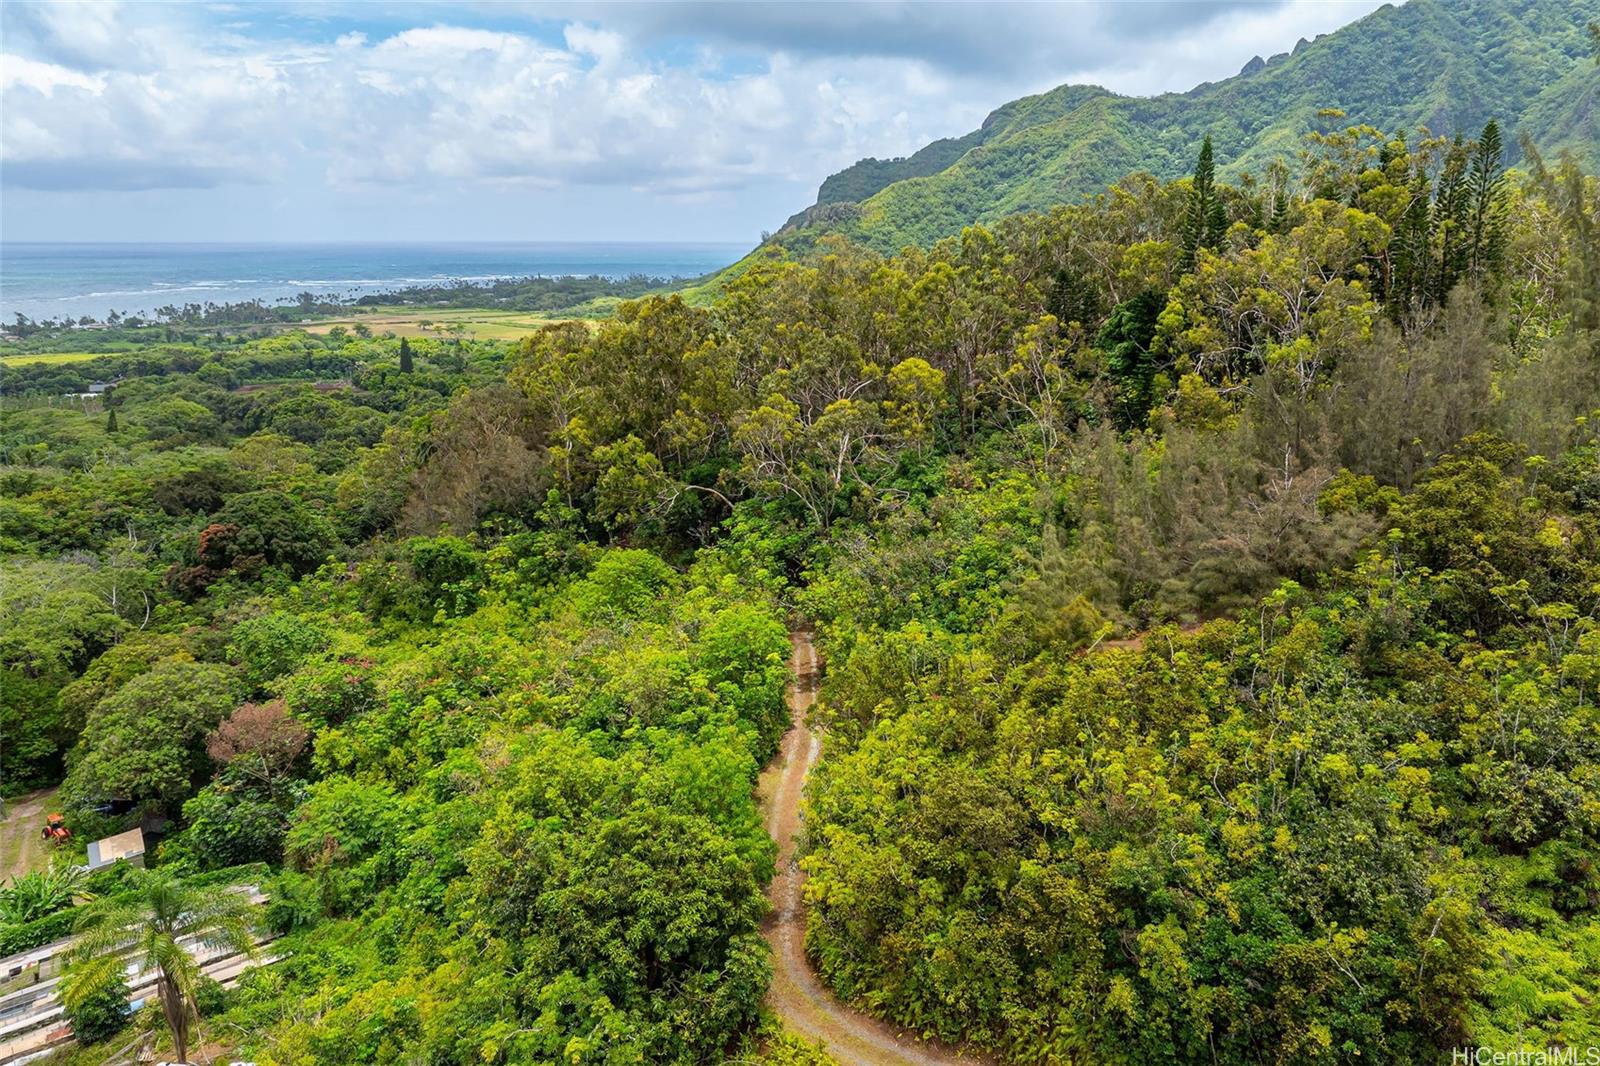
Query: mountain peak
{"points": [[1399, 68]]}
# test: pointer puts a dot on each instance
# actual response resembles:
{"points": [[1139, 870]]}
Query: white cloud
{"points": [[608, 48], [681, 103], [46, 78], [1229, 40], [458, 104]]}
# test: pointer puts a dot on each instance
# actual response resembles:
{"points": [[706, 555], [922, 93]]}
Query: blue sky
{"points": [[549, 121]]}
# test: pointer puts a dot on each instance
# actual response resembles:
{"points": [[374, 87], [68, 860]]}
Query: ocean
{"points": [[55, 280]]}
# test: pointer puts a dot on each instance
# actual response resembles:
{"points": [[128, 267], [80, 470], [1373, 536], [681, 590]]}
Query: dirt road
{"points": [[21, 848], [796, 996]]}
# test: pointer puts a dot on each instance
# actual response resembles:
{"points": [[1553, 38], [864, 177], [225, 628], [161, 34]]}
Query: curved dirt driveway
{"points": [[21, 848], [796, 996]]}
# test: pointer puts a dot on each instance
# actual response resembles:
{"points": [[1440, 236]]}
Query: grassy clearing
{"points": [[481, 324], [21, 849], [18, 358], [478, 324], [712, 286]]}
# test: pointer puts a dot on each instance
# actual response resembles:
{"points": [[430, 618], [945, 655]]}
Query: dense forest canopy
{"points": [[1207, 573]]}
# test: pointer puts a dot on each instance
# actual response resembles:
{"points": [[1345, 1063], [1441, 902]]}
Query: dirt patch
{"points": [[1136, 641], [796, 995], [22, 850]]}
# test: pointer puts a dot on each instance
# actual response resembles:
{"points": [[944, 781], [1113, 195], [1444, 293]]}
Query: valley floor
{"points": [[484, 324]]}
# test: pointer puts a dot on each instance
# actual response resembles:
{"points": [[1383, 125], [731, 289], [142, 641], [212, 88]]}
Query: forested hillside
{"points": [[1208, 577], [1445, 65]]}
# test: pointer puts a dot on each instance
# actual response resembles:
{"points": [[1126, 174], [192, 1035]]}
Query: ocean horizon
{"points": [[45, 280]]}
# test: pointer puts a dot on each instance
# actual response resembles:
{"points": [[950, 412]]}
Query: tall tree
{"points": [[1413, 277], [405, 356], [1485, 190], [157, 926], [1073, 299], [1452, 205], [1277, 214], [1125, 339], [1204, 221], [1568, 193]]}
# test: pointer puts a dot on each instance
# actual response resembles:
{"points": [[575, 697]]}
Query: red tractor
{"points": [[55, 830]]}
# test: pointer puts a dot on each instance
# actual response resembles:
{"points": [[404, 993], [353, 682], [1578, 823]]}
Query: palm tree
{"points": [[157, 925]]}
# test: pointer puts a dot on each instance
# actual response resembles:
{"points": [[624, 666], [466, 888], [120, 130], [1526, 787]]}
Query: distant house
{"points": [[129, 846], [96, 390]]}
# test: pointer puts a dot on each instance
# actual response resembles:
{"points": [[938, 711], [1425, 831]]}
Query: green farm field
{"points": [[484, 324], [19, 358]]}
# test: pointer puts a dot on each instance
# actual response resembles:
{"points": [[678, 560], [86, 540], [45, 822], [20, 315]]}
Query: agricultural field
{"points": [[11, 358], [482, 324], [485, 324]]}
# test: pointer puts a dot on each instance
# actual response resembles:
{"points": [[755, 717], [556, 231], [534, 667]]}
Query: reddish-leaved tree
{"points": [[262, 739]]}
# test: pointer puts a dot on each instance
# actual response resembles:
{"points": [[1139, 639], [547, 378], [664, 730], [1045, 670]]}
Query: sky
{"points": [[539, 122]]}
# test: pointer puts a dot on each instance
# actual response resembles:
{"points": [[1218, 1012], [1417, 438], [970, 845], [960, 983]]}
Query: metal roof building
{"points": [[129, 845]]}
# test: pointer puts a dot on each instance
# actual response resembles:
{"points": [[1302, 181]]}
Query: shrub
{"points": [[37, 933], [96, 1009], [34, 895], [210, 998], [274, 644]]}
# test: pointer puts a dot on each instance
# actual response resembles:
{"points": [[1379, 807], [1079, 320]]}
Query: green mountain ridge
{"points": [[1444, 65], [861, 180]]}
